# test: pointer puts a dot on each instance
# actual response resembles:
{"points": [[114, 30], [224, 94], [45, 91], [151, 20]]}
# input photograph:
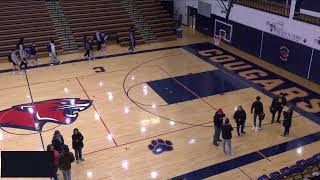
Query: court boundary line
{"points": [[94, 107], [245, 173], [105, 57], [32, 101], [236, 162]]}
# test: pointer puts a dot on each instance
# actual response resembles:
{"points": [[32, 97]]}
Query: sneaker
{"points": [[253, 127], [230, 155]]}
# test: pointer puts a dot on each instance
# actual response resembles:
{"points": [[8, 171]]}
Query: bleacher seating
{"points": [[280, 7], [28, 19], [107, 16], [303, 169], [308, 19], [161, 23]]}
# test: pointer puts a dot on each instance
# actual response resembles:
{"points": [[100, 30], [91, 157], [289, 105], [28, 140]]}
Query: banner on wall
{"points": [[286, 54], [278, 28], [204, 9]]}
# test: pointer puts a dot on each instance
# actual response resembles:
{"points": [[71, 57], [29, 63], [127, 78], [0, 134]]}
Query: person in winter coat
{"points": [[91, 50], [98, 38], [287, 120], [33, 53], [226, 136], [217, 120], [240, 117], [55, 160], [132, 39], [77, 144], [277, 105], [12, 57], [23, 57], [257, 110], [86, 47], [51, 48], [65, 161], [58, 141], [104, 42]]}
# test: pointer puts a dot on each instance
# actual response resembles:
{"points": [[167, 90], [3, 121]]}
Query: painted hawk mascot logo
{"points": [[34, 116]]}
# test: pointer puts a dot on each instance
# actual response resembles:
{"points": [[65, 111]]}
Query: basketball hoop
{"points": [[217, 39]]}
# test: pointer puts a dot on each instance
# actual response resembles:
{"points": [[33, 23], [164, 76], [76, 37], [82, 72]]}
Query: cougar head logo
{"points": [[34, 116]]}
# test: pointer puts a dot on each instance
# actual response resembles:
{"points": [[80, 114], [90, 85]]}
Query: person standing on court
{"points": [[23, 57], [98, 38], [287, 120], [52, 53], [104, 38], [12, 57], [277, 105], [33, 53], [132, 39], [77, 144], [91, 50], [58, 141], [86, 47], [55, 160], [226, 131], [218, 121], [65, 161], [257, 110], [240, 117]]}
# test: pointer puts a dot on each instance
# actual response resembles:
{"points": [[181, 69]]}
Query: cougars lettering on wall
{"points": [[272, 83]]}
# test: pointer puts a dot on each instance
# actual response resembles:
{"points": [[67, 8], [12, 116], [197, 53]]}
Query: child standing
{"points": [[12, 57], [33, 53]]}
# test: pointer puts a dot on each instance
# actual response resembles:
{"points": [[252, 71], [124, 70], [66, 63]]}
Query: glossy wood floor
{"points": [[117, 132]]}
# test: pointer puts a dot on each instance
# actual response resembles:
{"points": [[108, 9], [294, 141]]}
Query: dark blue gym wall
{"points": [[315, 68], [204, 25], [298, 59], [249, 40], [311, 5], [243, 37]]}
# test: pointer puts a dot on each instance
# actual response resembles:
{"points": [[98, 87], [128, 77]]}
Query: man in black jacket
{"points": [[257, 110], [240, 117], [218, 121], [277, 105], [226, 136]]}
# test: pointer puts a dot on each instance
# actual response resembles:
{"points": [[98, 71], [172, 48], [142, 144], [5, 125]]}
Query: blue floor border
{"points": [[288, 83], [254, 156], [249, 158]]}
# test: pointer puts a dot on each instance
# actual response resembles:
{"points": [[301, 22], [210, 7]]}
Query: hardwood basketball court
{"points": [[129, 111]]}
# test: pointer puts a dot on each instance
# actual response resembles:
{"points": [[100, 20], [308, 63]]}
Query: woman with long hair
{"points": [[77, 144]]}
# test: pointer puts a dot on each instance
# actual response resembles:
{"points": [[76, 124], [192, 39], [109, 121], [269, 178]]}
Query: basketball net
{"points": [[217, 40]]}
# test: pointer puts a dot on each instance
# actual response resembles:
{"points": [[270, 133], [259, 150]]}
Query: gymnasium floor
{"points": [[166, 91]]}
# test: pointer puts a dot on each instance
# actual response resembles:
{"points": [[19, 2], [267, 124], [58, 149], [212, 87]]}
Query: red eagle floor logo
{"points": [[34, 116]]}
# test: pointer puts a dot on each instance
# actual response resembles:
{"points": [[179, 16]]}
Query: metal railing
{"points": [[280, 7]]}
